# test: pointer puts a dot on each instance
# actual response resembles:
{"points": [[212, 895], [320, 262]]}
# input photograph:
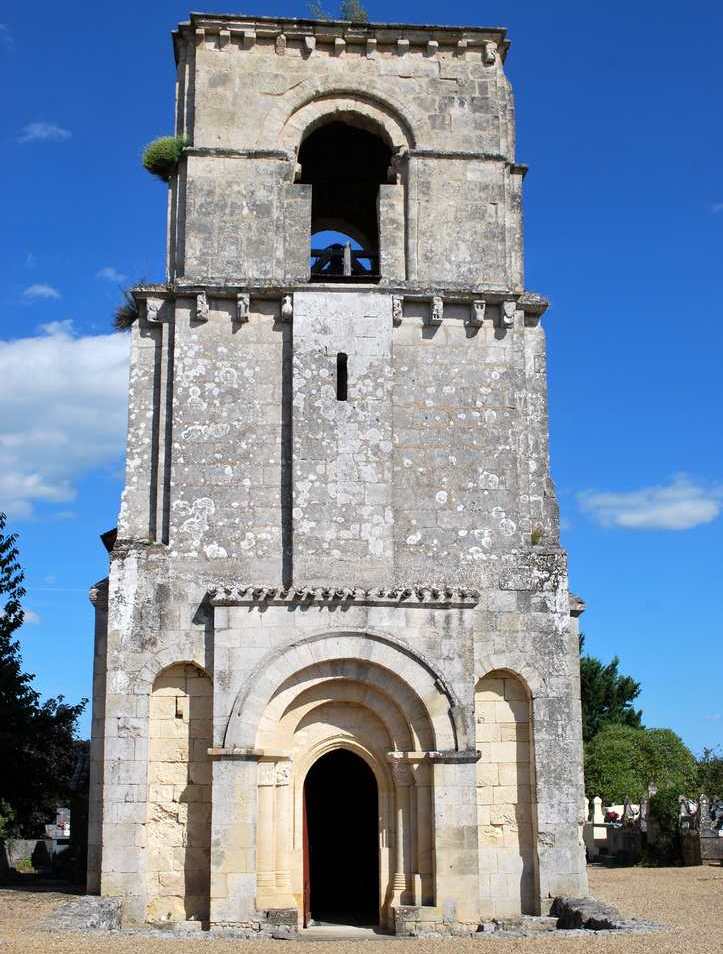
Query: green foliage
{"points": [[36, 739], [607, 696], [664, 809], [352, 10], [7, 821], [621, 761], [161, 156], [536, 536], [126, 313], [710, 773]]}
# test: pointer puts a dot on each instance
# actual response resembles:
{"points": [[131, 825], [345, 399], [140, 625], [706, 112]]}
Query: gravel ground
{"points": [[688, 900]]}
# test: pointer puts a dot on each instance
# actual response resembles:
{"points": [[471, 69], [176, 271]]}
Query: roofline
{"points": [[357, 28]]}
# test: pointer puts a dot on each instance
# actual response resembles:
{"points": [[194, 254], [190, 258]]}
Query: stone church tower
{"points": [[336, 673]]}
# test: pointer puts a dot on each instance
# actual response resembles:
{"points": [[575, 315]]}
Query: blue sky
{"points": [[619, 112]]}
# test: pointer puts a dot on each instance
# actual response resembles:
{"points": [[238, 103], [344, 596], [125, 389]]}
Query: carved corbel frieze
{"points": [[436, 311], [397, 310], [243, 304], [507, 314], [202, 307], [153, 307], [287, 307], [477, 312]]}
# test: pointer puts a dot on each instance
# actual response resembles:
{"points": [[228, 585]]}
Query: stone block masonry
{"points": [[338, 531]]}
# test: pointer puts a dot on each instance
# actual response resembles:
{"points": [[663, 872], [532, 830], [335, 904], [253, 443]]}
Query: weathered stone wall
{"points": [[178, 831], [505, 797]]}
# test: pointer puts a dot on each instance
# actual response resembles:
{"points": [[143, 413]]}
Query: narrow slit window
{"points": [[342, 377]]}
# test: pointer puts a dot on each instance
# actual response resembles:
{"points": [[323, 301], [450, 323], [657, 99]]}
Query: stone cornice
{"points": [[98, 594], [246, 595], [533, 305], [402, 35]]}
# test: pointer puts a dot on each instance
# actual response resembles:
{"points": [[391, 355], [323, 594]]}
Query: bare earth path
{"points": [[688, 900]]}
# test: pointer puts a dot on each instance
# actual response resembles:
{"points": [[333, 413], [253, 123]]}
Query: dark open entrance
{"points": [[341, 846], [345, 167]]}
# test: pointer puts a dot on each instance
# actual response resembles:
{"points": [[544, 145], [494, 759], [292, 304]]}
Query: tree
{"points": [[352, 10], [621, 761], [710, 773], [607, 696], [36, 739]]}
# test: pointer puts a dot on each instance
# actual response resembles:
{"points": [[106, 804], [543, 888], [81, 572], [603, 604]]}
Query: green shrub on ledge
{"points": [[161, 156]]}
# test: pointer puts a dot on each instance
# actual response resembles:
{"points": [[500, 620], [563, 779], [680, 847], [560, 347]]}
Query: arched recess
{"points": [[297, 115], [404, 666], [506, 800], [178, 828]]}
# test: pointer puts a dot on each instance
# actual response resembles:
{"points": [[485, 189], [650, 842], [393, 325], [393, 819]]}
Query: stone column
{"points": [[423, 888], [401, 882], [266, 862], [283, 835]]}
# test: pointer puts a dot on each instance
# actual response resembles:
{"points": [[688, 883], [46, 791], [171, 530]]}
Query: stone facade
{"points": [[297, 571]]}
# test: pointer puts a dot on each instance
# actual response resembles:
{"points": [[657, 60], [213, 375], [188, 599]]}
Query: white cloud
{"points": [[30, 260], [6, 37], [111, 274], [716, 207], [678, 505], [30, 616], [713, 717], [43, 132], [62, 413], [40, 290]]}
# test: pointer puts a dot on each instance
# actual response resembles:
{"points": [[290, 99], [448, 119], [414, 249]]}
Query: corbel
{"points": [[309, 44], [402, 45], [243, 303], [432, 47], [507, 314], [153, 307], [202, 308], [287, 307], [436, 311], [397, 310], [200, 36], [280, 45], [249, 38], [224, 38], [339, 45], [462, 47], [371, 47], [477, 312]]}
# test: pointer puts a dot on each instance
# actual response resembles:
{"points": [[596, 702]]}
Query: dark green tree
{"points": [[607, 696], [37, 738], [622, 761]]}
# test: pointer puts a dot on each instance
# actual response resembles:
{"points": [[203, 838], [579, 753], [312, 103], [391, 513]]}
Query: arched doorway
{"points": [[341, 841]]}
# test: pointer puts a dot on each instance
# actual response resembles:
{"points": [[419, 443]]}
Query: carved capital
{"points": [[283, 773], [266, 773]]}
